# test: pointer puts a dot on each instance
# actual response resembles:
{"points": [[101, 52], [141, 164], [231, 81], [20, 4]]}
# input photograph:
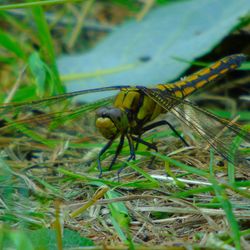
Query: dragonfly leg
{"points": [[131, 147], [137, 142], [103, 150], [132, 155], [118, 151], [123, 166], [149, 145], [161, 123]]}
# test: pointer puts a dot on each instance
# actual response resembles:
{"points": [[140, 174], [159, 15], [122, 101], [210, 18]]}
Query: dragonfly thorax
{"points": [[111, 121]]}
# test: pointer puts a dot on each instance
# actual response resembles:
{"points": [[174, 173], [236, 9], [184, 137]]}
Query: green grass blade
{"points": [[47, 48], [10, 43], [35, 3], [226, 205]]}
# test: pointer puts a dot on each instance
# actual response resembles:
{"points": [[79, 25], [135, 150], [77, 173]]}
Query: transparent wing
{"points": [[44, 118], [53, 99], [217, 132], [36, 111]]}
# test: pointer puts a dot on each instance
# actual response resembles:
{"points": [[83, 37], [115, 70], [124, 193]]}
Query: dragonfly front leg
{"points": [[118, 151], [103, 150], [132, 154]]}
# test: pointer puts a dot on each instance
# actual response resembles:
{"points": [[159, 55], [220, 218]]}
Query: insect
{"points": [[136, 107]]}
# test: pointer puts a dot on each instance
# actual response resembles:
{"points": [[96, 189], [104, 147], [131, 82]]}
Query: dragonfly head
{"points": [[111, 121]]}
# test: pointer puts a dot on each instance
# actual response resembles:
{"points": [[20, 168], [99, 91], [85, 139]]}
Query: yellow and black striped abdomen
{"points": [[142, 108], [191, 83]]}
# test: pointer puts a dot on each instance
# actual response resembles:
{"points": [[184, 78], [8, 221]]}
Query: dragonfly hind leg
{"points": [[161, 123], [149, 145]]}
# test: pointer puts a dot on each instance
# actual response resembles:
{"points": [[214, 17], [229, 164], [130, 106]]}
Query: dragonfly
{"points": [[135, 109]]}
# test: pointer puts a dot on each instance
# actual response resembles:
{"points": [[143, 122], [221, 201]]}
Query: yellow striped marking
{"points": [[170, 86], [188, 90], [200, 84], [211, 78], [191, 78], [204, 72], [119, 99], [181, 83], [216, 65], [163, 87], [178, 93], [131, 99], [223, 71]]}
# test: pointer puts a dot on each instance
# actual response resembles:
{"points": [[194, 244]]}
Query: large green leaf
{"points": [[40, 239], [46, 239], [145, 52]]}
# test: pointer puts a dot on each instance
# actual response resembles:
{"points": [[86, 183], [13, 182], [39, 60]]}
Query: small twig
{"points": [[170, 179], [98, 195], [80, 22], [185, 210], [16, 86], [146, 8]]}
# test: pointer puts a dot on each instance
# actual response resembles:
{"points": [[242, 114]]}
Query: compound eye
{"points": [[101, 112], [113, 118], [106, 127], [116, 114]]}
